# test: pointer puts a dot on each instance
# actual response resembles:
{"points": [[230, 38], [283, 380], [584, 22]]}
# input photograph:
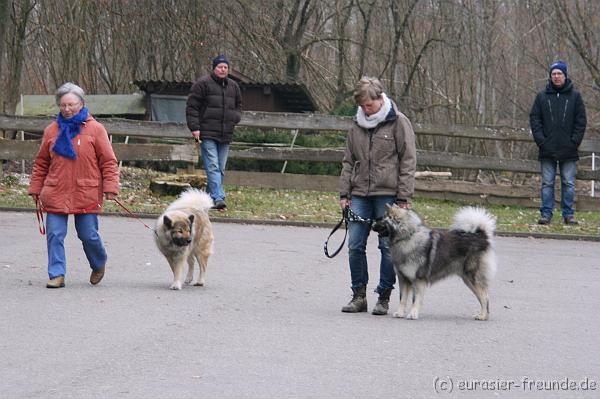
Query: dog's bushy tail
{"points": [[192, 198], [470, 219], [473, 220]]}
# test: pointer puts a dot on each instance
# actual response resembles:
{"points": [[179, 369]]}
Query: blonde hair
{"points": [[367, 88]]}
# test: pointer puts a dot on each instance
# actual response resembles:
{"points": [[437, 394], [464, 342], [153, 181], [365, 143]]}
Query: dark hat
{"points": [[559, 65], [219, 59]]}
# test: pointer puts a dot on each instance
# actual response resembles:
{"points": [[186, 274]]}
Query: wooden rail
{"points": [[127, 127], [18, 150]]}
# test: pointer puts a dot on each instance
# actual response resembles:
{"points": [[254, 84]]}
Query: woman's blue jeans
{"points": [[214, 159], [87, 231], [568, 170], [358, 233]]}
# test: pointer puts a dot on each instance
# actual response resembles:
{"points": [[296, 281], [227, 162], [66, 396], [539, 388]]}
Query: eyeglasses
{"points": [[69, 106]]}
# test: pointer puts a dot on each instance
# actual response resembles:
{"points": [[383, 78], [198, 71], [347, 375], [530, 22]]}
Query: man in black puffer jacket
{"points": [[558, 122], [212, 111]]}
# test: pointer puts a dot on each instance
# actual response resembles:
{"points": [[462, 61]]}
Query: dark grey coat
{"points": [[558, 122]]}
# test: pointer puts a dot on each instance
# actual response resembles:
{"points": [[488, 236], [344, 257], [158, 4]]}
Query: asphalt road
{"points": [[268, 323]]}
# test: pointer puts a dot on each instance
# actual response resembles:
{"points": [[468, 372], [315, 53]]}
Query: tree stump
{"points": [[176, 184]]}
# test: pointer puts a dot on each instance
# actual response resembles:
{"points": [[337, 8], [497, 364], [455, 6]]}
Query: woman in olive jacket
{"points": [[378, 168]]}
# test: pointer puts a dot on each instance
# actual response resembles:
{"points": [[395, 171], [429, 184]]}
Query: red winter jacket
{"points": [[73, 186]]}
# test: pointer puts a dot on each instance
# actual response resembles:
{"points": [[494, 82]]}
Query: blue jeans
{"points": [[87, 231], [214, 159], [568, 170], [358, 233]]}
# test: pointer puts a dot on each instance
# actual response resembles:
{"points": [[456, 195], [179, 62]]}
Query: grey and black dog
{"points": [[423, 256]]}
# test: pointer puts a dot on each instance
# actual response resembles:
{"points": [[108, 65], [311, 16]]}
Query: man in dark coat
{"points": [[558, 122], [212, 111]]}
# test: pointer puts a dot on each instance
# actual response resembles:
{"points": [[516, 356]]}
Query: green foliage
{"points": [[271, 136], [284, 138], [347, 108]]}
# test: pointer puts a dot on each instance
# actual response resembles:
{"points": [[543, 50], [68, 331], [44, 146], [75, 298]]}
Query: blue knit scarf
{"points": [[69, 128]]}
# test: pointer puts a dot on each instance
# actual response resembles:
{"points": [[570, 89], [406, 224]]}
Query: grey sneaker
{"points": [[383, 303], [220, 205], [545, 220], [359, 301], [570, 220]]}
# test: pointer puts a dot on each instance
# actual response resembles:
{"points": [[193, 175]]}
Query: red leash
{"points": [[40, 216], [133, 215]]}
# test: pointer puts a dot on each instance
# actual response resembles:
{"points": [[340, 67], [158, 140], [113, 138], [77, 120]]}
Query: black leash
{"points": [[347, 216]]}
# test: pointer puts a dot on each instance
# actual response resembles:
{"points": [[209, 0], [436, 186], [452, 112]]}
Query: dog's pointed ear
{"points": [[167, 222], [191, 218]]}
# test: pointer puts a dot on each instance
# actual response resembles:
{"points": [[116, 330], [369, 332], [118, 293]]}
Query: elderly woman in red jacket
{"points": [[74, 169]]}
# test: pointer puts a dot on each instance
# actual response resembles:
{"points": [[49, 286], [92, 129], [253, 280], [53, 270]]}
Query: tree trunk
{"points": [[366, 13], [292, 39], [4, 22], [16, 51], [400, 22], [343, 16]]}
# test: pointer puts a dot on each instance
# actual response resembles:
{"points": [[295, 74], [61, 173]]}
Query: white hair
{"points": [[67, 88]]}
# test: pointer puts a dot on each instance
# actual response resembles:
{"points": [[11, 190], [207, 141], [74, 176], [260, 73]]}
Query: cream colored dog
{"points": [[184, 233]]}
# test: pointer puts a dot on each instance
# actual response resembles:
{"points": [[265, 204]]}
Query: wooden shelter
{"points": [[163, 98]]}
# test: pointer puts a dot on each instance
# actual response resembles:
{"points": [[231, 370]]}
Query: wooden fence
{"points": [[483, 193]]}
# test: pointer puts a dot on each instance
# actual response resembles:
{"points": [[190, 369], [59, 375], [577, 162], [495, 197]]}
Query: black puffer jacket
{"points": [[558, 122], [214, 108]]}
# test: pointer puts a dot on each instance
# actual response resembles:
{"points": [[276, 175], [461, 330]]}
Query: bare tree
{"points": [[20, 13], [579, 21], [366, 9], [343, 10], [444, 61], [291, 41], [400, 15], [4, 22]]}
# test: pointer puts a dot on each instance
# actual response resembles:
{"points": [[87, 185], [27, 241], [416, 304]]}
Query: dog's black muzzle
{"points": [[181, 242], [380, 227]]}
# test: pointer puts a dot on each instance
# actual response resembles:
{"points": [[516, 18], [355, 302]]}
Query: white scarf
{"points": [[369, 122]]}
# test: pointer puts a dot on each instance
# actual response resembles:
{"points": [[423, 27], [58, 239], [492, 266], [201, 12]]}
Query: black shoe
{"points": [[545, 220], [220, 205], [570, 220]]}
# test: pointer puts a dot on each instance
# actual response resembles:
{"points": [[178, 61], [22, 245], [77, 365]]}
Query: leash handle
{"points": [[133, 215], [39, 213], [343, 221]]}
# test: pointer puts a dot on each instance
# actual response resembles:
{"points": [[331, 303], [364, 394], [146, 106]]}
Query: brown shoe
{"points": [[97, 276], [56, 282]]}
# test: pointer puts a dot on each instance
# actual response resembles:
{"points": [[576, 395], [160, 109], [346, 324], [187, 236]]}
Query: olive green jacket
{"points": [[380, 161]]}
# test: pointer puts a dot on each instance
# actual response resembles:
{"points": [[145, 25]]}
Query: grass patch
{"points": [[306, 206]]}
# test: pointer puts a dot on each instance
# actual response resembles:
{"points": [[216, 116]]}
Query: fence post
{"points": [[126, 142], [22, 109], [593, 169], [295, 131]]}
